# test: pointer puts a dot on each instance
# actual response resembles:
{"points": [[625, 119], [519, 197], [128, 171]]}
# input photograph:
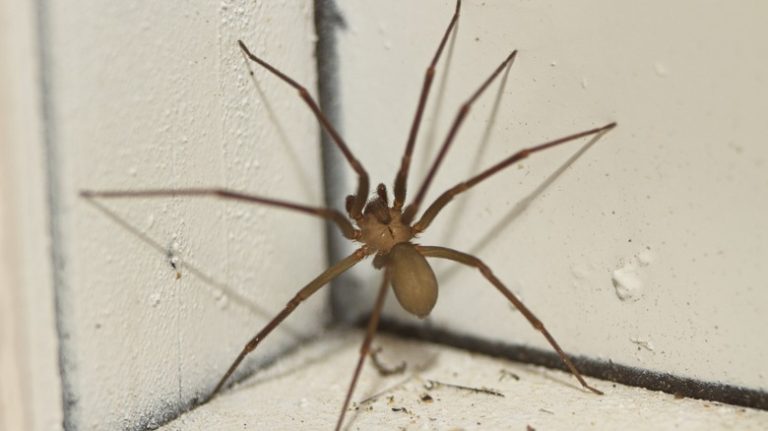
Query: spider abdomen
{"points": [[412, 278]]}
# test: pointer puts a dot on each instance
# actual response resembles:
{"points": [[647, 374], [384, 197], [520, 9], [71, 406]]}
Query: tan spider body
{"points": [[383, 232]]}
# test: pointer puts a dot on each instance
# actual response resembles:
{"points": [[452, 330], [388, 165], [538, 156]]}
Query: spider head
{"points": [[381, 226]]}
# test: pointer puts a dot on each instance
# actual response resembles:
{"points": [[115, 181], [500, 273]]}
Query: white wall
{"points": [[671, 203], [158, 95]]}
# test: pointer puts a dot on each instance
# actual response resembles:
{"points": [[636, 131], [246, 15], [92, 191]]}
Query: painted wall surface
{"points": [[157, 296], [647, 248]]}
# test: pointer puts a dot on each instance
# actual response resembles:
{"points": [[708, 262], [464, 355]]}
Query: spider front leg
{"points": [[449, 194], [307, 291], [413, 207], [469, 260], [402, 174], [329, 214], [356, 210]]}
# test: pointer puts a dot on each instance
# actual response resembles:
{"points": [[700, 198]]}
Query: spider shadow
{"points": [[563, 380], [231, 293], [461, 205], [428, 145], [306, 183], [325, 348]]}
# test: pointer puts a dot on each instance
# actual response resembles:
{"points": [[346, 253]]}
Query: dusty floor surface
{"points": [[444, 388]]}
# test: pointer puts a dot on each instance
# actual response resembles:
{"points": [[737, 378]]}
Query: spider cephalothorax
{"points": [[381, 226]]}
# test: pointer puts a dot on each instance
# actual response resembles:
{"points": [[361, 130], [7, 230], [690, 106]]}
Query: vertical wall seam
{"points": [[329, 21], [55, 214]]}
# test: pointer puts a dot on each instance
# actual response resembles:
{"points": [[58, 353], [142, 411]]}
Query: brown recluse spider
{"points": [[386, 231]]}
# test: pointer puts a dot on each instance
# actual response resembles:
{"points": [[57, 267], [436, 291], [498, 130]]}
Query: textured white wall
{"points": [[157, 95], [670, 205]]}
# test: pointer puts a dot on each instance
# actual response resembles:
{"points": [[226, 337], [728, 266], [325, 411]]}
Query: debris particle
{"points": [[643, 343], [431, 384], [504, 374], [384, 370], [628, 285]]}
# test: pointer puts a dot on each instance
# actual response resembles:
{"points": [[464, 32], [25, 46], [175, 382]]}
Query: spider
{"points": [[383, 229]]}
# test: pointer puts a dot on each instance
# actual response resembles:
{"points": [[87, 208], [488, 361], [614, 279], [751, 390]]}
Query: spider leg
{"points": [[373, 323], [362, 175], [449, 194], [469, 260], [307, 291], [402, 174], [346, 227], [413, 208]]}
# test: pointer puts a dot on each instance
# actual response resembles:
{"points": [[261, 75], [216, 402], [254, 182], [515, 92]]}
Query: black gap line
{"points": [[62, 294], [328, 23], [624, 374]]}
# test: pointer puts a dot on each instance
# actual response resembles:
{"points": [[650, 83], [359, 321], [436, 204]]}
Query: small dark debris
{"points": [[400, 409], [384, 370], [426, 398], [503, 374], [431, 384]]}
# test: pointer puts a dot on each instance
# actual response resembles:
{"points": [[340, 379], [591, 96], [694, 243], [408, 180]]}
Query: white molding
{"points": [[30, 393]]}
